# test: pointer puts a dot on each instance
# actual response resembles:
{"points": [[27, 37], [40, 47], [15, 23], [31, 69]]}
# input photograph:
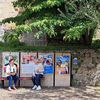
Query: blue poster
{"points": [[62, 64], [48, 69], [75, 61], [47, 62], [65, 58]]}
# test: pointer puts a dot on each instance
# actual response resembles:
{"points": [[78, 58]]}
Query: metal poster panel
{"points": [[48, 63], [27, 63], [6, 56], [62, 69]]}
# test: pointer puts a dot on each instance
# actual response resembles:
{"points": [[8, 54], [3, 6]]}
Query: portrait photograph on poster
{"points": [[48, 60], [62, 64], [27, 64], [6, 58], [62, 69]]}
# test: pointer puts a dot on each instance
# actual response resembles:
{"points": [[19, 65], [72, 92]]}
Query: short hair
{"points": [[11, 60]]}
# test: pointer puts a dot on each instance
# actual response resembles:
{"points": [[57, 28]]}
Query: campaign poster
{"points": [[75, 61], [62, 64], [47, 62], [6, 57], [27, 63], [62, 69]]}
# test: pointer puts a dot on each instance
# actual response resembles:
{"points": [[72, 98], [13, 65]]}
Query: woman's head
{"points": [[11, 61]]}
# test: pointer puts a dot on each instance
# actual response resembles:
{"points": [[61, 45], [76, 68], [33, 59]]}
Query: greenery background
{"points": [[74, 22]]}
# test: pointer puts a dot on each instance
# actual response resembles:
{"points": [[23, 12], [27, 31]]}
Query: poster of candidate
{"points": [[48, 60], [6, 58], [62, 69], [48, 64], [62, 64], [27, 63]]}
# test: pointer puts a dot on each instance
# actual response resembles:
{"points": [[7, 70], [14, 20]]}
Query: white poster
{"points": [[27, 64]]}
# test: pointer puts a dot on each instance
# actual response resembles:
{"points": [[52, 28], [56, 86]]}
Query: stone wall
{"points": [[29, 39], [87, 70]]}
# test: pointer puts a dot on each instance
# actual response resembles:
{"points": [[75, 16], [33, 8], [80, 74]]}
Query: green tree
{"points": [[75, 18], [39, 14], [82, 17]]}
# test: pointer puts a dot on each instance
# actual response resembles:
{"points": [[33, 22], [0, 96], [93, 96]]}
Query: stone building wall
{"points": [[87, 70]]}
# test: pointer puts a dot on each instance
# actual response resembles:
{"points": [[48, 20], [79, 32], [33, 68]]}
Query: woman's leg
{"points": [[34, 83], [38, 79], [15, 78], [33, 80], [9, 78]]}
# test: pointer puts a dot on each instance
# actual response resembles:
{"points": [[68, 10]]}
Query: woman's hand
{"points": [[37, 70], [13, 73]]}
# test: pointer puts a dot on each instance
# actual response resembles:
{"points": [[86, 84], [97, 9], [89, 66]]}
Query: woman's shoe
{"points": [[34, 87], [9, 89], [38, 88], [14, 87]]}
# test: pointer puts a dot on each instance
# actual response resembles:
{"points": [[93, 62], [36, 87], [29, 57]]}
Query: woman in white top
{"points": [[12, 70], [38, 74]]}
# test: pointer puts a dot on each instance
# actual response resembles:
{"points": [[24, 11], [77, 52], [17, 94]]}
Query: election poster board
{"points": [[6, 57], [48, 64], [62, 69], [27, 63]]}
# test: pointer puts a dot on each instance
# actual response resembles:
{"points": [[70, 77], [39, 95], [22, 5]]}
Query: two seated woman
{"points": [[12, 71]]}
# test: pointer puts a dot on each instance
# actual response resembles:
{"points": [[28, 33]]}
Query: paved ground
{"points": [[87, 93]]}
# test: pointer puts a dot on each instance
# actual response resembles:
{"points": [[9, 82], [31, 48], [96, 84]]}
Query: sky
{"points": [[7, 9]]}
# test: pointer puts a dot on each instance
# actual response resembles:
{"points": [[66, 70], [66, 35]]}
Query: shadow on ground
{"points": [[56, 94]]}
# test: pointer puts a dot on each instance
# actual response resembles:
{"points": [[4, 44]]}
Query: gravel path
{"points": [[87, 93]]}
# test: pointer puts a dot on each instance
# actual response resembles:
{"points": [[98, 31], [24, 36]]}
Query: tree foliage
{"points": [[74, 17], [81, 16]]}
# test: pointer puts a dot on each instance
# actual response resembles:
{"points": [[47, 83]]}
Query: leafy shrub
{"points": [[11, 39]]}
